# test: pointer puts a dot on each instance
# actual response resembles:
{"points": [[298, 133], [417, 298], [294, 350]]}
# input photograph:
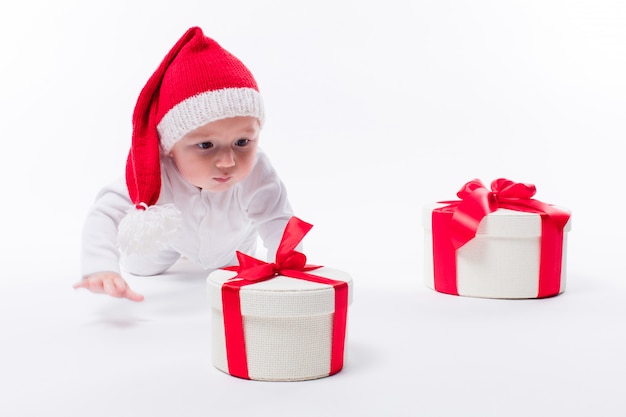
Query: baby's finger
{"points": [[120, 285], [89, 284], [110, 287], [125, 291], [132, 295]]}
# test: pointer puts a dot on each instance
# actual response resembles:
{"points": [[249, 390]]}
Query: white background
{"points": [[374, 109]]}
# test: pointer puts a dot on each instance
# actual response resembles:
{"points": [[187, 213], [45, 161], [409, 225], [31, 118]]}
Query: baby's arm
{"points": [[110, 283], [265, 200], [99, 253]]}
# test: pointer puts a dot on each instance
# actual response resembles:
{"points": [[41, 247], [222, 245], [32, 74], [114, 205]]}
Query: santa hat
{"points": [[197, 82]]}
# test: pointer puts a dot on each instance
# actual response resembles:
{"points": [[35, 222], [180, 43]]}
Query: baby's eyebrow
{"points": [[249, 131], [204, 137], [207, 136], [195, 136]]}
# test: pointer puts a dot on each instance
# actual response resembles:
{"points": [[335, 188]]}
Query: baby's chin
{"points": [[217, 187]]}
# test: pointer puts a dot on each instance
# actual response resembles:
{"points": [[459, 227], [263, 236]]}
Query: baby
{"points": [[197, 184]]}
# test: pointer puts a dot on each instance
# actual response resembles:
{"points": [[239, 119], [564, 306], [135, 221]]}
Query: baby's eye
{"points": [[205, 145], [242, 142]]}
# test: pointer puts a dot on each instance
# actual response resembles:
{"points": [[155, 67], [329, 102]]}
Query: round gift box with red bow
{"points": [[497, 243], [289, 327]]}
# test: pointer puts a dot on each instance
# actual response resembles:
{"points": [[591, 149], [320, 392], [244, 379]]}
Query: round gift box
{"points": [[503, 259], [288, 325]]}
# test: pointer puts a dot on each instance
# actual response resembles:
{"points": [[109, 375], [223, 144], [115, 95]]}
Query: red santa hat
{"points": [[197, 82]]}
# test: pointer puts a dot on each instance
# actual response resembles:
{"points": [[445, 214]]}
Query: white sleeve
{"points": [[99, 238], [264, 197], [99, 249], [149, 264]]}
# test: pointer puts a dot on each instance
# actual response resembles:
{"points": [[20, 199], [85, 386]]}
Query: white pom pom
{"points": [[149, 230]]}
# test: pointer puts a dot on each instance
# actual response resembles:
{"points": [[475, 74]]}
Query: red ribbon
{"points": [[288, 263], [456, 224]]}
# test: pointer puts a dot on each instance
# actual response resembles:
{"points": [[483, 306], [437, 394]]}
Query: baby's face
{"points": [[219, 154]]}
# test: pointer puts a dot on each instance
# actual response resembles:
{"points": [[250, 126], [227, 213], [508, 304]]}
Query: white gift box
{"points": [[287, 323], [502, 260]]}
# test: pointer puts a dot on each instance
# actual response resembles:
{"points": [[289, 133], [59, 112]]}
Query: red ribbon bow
{"points": [[287, 258], [456, 224], [290, 263]]}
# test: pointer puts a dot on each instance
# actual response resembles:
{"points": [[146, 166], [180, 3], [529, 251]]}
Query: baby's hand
{"points": [[110, 283]]}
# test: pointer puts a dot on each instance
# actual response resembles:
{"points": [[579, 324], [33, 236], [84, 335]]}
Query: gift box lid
{"points": [[281, 296], [502, 222]]}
